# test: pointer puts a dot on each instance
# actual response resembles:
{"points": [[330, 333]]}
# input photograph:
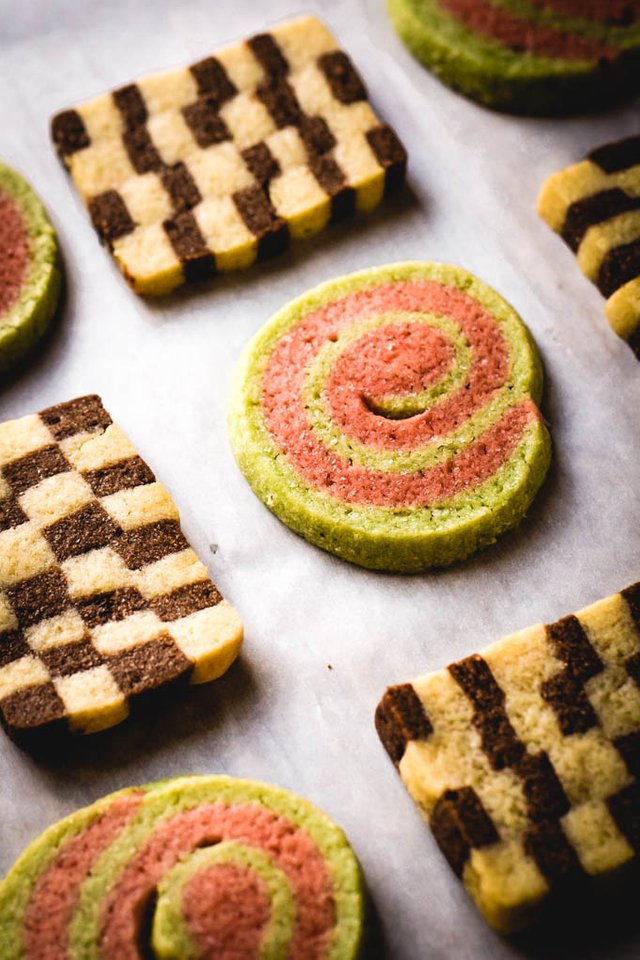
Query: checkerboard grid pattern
{"points": [[101, 597], [526, 760], [206, 168], [595, 206]]}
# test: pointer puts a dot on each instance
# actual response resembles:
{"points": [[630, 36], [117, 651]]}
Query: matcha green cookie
{"points": [[186, 869], [29, 268], [529, 56], [390, 416]]}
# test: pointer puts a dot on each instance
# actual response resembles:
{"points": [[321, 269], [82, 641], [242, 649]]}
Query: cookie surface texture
{"points": [[30, 277], [390, 416], [525, 759], [211, 167], [595, 207], [101, 597], [536, 56], [190, 868]]}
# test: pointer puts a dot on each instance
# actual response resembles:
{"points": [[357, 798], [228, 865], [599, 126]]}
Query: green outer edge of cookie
{"points": [[166, 798], [488, 72], [27, 320], [171, 937], [329, 523]]}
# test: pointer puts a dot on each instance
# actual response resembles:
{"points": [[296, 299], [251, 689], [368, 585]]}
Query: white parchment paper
{"points": [[324, 639]]}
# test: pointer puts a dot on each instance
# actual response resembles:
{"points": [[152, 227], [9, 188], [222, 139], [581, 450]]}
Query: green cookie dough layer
{"points": [[157, 806], [502, 78], [400, 538], [28, 317]]}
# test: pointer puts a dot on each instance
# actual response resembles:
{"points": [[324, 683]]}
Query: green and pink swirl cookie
{"points": [[192, 868], [30, 277], [390, 416], [528, 56]]}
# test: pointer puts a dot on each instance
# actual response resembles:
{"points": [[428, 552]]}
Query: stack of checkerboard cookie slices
{"points": [[390, 417]]}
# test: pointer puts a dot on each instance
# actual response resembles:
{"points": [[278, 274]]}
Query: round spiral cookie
{"points": [[529, 56], [195, 867], [30, 277], [390, 416]]}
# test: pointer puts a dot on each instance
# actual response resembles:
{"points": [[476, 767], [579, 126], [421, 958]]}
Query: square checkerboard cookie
{"points": [[525, 760], [101, 597], [207, 168]]}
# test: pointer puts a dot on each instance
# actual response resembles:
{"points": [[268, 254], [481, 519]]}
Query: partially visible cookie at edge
{"points": [[595, 207], [537, 58], [102, 599], [525, 759], [30, 272]]}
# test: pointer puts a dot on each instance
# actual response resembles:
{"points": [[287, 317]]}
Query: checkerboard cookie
{"points": [[538, 56], [30, 277], [190, 868], [101, 597], [207, 168], [390, 416], [595, 207], [525, 759]]}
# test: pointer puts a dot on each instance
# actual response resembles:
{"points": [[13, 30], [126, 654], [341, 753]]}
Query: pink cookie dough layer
{"points": [[14, 251], [401, 399], [214, 899], [103, 882]]}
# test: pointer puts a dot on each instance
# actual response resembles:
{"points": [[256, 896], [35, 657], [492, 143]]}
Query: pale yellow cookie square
{"points": [[55, 498], [93, 700]]}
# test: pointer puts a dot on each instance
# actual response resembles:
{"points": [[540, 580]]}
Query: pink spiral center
{"points": [[398, 358], [226, 909]]}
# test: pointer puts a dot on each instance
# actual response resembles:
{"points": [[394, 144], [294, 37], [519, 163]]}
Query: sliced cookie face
{"points": [[538, 57], [193, 867], [595, 207], [390, 416], [30, 276], [207, 168], [525, 759], [102, 599]]}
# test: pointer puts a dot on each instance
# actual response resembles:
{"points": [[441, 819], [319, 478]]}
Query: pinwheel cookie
{"points": [[536, 56], [207, 168], [595, 207], [101, 597], [390, 416], [195, 867], [525, 759], [29, 268]]}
